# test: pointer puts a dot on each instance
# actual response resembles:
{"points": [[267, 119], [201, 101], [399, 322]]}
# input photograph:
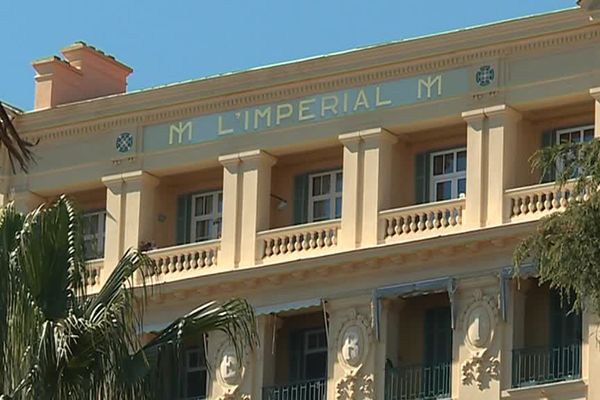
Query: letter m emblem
{"points": [[178, 130], [426, 85]]}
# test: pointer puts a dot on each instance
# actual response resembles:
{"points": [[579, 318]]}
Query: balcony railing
{"points": [[421, 221], [92, 276], [418, 382], [179, 261], [533, 202], [306, 390], [538, 365], [298, 241]]}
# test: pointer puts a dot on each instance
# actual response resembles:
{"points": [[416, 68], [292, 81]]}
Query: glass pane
{"points": [[313, 341], [443, 191], [204, 205], [461, 161], [575, 137], [321, 210], [326, 184], [563, 138], [196, 384], [202, 229], [338, 182], [316, 365], [316, 182], [220, 203], [338, 207], [449, 163], [438, 165], [90, 224], [461, 187], [193, 359], [588, 135]]}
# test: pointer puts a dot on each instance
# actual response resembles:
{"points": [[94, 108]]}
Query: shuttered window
{"points": [[94, 232], [318, 196], [199, 216]]}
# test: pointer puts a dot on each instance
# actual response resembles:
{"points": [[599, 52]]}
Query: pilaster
{"points": [[367, 184], [595, 93], [247, 200], [130, 213], [503, 128], [25, 201], [475, 203], [590, 352], [354, 360], [478, 340], [229, 255]]}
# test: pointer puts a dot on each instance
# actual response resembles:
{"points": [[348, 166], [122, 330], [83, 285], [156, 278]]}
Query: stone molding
{"points": [[347, 80]]}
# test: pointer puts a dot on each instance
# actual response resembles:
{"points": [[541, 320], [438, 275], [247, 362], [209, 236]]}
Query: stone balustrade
{"points": [[181, 261], [93, 270], [298, 241], [533, 202], [422, 220]]}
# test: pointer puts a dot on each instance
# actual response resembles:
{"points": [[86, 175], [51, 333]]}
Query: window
{"points": [[315, 354], [207, 209], [325, 196], [571, 136], [93, 234], [195, 379], [448, 174]]}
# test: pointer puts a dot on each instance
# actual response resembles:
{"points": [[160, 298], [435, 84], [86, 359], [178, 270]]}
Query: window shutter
{"points": [[422, 178], [549, 140], [301, 199], [296, 348], [184, 216]]}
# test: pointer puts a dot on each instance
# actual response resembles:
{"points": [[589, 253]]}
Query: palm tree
{"points": [[57, 342], [17, 148]]}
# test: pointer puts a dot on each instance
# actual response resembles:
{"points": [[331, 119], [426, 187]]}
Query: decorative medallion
{"points": [[479, 321], [353, 342], [229, 371], [485, 76], [124, 142]]}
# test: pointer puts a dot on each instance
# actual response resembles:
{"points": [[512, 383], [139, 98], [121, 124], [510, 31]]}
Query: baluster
{"points": [[413, 225], [540, 204], [445, 220], [516, 210], [406, 224], [320, 240], [421, 223], [328, 238], [531, 206], [312, 242], [305, 240], [283, 245], [334, 237], [276, 247], [459, 216], [172, 262], [428, 222], [523, 207], [268, 247], [298, 242], [436, 220], [391, 228]]}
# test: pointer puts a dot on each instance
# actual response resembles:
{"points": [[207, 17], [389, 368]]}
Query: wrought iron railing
{"points": [[418, 382], [305, 390], [538, 365]]}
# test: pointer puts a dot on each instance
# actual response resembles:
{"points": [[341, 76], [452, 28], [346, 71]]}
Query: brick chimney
{"points": [[84, 73]]}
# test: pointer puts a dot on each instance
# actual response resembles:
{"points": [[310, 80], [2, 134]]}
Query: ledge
{"points": [[548, 390]]}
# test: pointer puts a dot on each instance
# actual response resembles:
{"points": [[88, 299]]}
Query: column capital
{"points": [[595, 93], [473, 115], [502, 111], [114, 181], [378, 133], [258, 156]]}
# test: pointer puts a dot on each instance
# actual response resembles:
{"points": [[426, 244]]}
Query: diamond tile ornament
{"points": [[485, 76], [124, 142]]}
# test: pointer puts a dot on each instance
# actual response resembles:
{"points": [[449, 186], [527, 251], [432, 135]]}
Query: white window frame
{"points": [[99, 236], [576, 129], [214, 218], [332, 196], [308, 351], [201, 368], [453, 176]]}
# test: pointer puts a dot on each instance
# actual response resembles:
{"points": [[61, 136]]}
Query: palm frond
{"points": [[18, 149]]}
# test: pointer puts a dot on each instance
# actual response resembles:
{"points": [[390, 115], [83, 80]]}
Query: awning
{"points": [[294, 305], [419, 288], [525, 271]]}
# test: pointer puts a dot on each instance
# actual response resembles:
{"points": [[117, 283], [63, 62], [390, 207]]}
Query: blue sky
{"points": [[169, 41]]}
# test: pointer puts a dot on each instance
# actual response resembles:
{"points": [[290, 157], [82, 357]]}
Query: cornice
{"points": [[304, 78]]}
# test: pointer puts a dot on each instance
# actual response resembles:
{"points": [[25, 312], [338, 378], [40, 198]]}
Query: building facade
{"points": [[367, 204]]}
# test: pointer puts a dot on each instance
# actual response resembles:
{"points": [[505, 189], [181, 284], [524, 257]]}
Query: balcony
{"points": [[185, 261], [315, 389], [540, 365], [307, 240], [534, 202], [418, 382], [420, 221]]}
